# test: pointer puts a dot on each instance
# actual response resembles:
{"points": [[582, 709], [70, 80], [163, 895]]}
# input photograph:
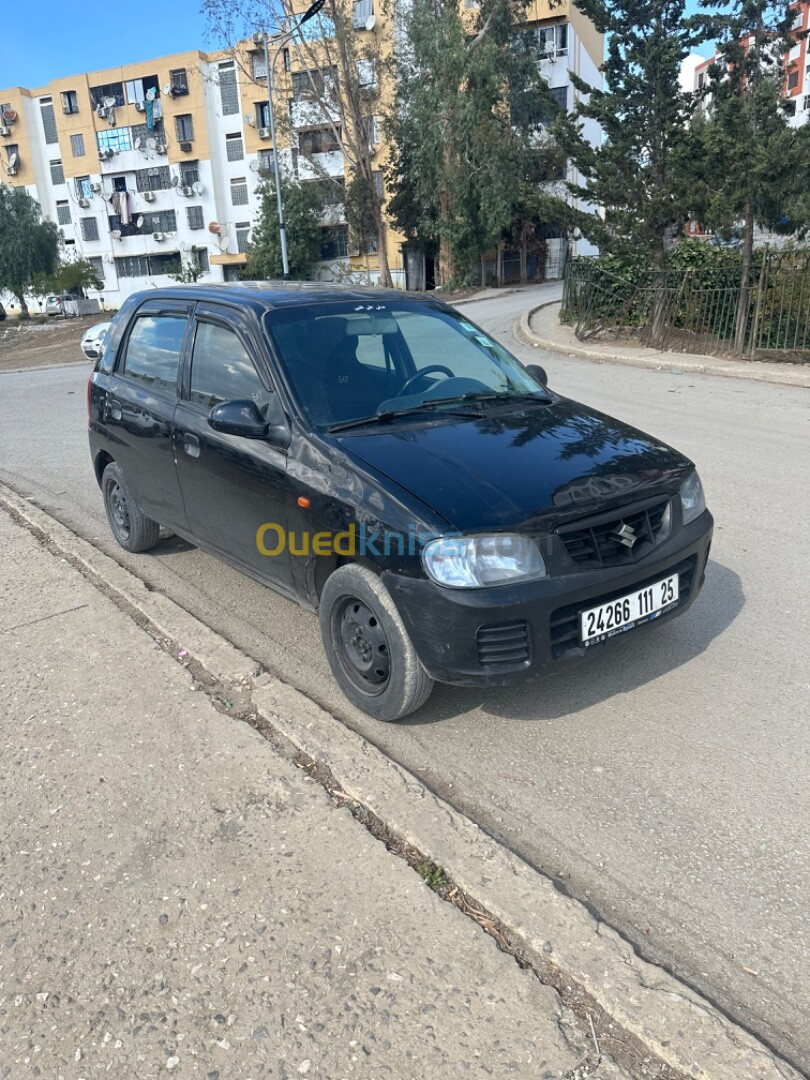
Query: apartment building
{"points": [[156, 166], [796, 62]]}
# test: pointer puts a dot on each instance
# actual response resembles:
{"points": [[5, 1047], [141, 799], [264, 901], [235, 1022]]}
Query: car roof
{"points": [[268, 295]]}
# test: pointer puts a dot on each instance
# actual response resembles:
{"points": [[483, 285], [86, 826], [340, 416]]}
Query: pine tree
{"points": [[302, 210], [754, 165], [467, 151], [638, 176]]}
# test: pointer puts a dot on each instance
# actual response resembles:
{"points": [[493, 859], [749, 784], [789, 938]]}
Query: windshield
{"points": [[349, 360]]}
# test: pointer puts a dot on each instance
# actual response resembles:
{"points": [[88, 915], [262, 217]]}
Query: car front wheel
{"points": [[368, 648], [131, 528]]}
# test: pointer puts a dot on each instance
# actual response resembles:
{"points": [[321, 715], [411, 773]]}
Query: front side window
{"points": [[346, 364], [153, 351], [221, 369]]}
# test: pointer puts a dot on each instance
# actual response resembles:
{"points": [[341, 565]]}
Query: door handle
{"points": [[113, 409], [191, 444]]}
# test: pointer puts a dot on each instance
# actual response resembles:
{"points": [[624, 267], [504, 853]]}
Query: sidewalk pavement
{"points": [[540, 326], [178, 898]]}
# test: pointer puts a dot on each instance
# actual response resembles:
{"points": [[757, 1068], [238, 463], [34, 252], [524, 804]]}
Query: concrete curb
{"points": [[673, 1023], [682, 362]]}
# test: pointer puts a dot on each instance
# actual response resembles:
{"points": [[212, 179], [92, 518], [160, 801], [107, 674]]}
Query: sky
{"points": [[51, 39], [48, 39]]}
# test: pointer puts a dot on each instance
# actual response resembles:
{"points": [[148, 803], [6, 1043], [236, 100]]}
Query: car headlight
{"points": [[473, 562], [693, 501]]}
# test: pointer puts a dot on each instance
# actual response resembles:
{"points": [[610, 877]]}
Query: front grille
{"points": [[503, 643], [595, 541], [564, 624]]}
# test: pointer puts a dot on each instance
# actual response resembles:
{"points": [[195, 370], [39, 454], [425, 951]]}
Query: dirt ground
{"points": [[42, 341]]}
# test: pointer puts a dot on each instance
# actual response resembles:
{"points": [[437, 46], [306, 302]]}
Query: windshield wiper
{"points": [[479, 397], [394, 414]]}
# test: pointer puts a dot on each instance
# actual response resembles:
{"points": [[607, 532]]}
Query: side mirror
{"points": [[238, 418], [538, 373]]}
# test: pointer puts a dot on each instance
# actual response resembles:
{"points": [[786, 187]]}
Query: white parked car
{"points": [[93, 340]]}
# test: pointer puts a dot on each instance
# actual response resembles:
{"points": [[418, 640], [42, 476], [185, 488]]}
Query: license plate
{"points": [[626, 612]]}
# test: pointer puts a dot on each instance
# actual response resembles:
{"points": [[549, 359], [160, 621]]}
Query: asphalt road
{"points": [[666, 781]]}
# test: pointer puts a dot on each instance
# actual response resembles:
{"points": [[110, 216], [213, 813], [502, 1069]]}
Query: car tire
{"points": [[133, 530], [367, 646]]}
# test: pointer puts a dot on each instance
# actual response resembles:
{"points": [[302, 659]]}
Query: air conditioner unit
{"points": [[148, 196], [115, 234], [186, 145], [264, 133], [158, 236], [160, 148], [84, 203], [140, 106], [95, 187], [187, 190], [5, 131]]}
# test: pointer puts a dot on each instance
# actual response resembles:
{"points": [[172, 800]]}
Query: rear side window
{"points": [[221, 369], [153, 350]]}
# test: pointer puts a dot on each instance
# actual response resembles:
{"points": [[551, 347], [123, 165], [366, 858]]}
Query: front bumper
{"points": [[461, 636]]}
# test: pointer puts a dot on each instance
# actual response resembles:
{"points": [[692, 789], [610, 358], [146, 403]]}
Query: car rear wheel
{"points": [[368, 648], [131, 528]]}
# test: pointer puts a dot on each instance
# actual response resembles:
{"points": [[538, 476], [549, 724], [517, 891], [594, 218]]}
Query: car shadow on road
{"points": [[633, 661]]}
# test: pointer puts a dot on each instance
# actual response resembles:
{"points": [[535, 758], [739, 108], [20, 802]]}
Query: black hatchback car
{"points": [[379, 459]]}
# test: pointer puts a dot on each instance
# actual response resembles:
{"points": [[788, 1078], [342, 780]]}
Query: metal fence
{"points": [[697, 310]]}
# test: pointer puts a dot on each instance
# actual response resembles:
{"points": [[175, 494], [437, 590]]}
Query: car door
{"points": [[138, 411], [231, 485]]}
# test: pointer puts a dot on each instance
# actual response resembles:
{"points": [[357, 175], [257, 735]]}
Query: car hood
{"points": [[536, 467]]}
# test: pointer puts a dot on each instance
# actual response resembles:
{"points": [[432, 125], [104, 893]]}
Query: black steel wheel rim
{"points": [[117, 502], [362, 646]]}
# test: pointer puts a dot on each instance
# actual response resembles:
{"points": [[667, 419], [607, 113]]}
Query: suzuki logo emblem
{"points": [[625, 535]]}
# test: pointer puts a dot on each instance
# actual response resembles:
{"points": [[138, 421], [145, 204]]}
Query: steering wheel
{"points": [[425, 371]]}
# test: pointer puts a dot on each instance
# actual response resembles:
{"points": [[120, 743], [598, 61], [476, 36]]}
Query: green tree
{"points": [[466, 128], [639, 175], [753, 164], [28, 245], [302, 214]]}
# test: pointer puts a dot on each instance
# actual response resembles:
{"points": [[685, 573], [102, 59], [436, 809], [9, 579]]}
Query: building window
{"points": [[48, 120], [185, 127], [136, 88], [262, 114], [77, 145], [228, 91], [199, 256], [308, 85], [377, 177], [335, 242], [157, 178], [363, 10], [63, 212], [234, 150], [807, 103], [98, 265], [258, 65], [189, 173], [12, 155], [242, 233], [82, 184], [321, 140], [70, 102], [57, 173], [108, 95], [266, 164], [159, 221], [116, 139], [89, 226], [178, 82], [239, 191], [793, 80], [367, 73], [194, 217], [548, 42]]}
